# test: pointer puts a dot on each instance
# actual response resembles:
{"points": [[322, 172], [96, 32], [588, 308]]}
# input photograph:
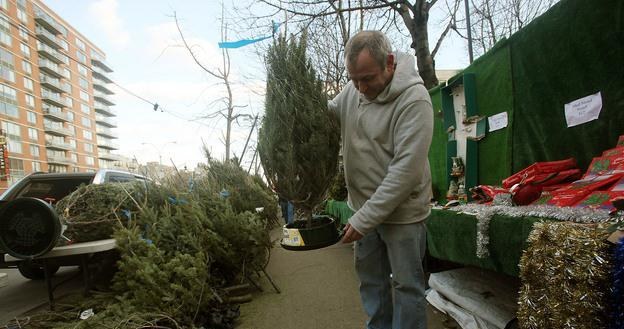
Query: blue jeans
{"points": [[398, 250]]}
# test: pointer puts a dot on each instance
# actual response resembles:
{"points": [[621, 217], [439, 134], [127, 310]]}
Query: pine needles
{"points": [[300, 137]]}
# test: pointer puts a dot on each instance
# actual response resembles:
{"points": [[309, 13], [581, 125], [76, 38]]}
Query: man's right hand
{"points": [[351, 234]]}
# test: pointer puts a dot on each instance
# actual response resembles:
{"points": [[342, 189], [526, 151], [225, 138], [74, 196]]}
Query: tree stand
{"points": [[322, 233]]}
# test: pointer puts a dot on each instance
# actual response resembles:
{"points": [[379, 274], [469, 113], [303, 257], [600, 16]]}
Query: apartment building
{"points": [[56, 110]]}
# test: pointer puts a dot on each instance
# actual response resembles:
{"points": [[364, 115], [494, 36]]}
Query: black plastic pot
{"points": [[29, 228], [298, 237]]}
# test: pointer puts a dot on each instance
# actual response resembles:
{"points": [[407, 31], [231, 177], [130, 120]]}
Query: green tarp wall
{"points": [[574, 50]]}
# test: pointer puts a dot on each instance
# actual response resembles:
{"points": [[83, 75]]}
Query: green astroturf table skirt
{"points": [[339, 210], [453, 236]]}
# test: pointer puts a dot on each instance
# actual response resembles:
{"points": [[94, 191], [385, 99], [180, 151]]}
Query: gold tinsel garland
{"points": [[565, 275]]}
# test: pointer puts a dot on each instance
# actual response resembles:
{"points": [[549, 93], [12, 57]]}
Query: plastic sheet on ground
{"points": [[475, 298]]}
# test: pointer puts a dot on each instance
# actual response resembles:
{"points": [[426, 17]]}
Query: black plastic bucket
{"points": [[298, 237]]}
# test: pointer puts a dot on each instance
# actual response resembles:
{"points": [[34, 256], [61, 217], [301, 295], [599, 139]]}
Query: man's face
{"points": [[368, 77]]}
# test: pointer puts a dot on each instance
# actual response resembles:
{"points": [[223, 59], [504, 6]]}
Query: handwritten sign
{"points": [[497, 121], [583, 110]]}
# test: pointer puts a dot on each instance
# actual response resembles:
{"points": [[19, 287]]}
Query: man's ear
{"points": [[390, 62]]}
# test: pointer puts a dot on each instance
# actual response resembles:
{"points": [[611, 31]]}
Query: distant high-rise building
{"points": [[55, 105]]}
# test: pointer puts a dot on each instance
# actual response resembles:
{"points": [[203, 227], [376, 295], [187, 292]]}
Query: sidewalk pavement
{"points": [[319, 290]]}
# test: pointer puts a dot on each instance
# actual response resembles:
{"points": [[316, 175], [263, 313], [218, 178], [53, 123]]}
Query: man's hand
{"points": [[351, 234]]}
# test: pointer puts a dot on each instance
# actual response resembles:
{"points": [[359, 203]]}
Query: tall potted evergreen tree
{"points": [[299, 141]]}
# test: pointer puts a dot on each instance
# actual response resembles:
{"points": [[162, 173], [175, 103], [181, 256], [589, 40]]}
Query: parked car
{"points": [[52, 187]]}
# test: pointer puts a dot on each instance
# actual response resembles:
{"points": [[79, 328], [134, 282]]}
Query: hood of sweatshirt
{"points": [[405, 76]]}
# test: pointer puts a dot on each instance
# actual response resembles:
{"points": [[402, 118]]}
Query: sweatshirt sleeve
{"points": [[412, 138]]}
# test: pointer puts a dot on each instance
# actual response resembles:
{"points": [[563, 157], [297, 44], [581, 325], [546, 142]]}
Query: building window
{"points": [[8, 101], [85, 108], [25, 49], [23, 33], [6, 65], [86, 122], [6, 58], [69, 102], [33, 134], [31, 117], [88, 148], [84, 84], [90, 160], [14, 137], [57, 168], [28, 84], [64, 58], [16, 170], [72, 142], [30, 100], [87, 135], [26, 67], [36, 166], [82, 58], [74, 157], [3, 4], [34, 151], [5, 29], [7, 73], [67, 73], [82, 70], [21, 15], [84, 96], [70, 116], [80, 45], [64, 44]]}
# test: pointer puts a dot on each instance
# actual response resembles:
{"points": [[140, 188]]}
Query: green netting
{"points": [[572, 51], [494, 95], [437, 151]]}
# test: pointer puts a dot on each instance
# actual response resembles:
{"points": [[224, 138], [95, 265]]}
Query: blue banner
{"points": [[245, 42]]}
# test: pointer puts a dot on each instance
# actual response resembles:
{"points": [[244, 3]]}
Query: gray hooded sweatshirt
{"points": [[385, 146]]}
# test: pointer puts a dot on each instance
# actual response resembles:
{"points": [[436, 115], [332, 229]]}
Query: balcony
{"points": [[101, 86], [54, 145], [54, 113], [52, 98], [66, 87], [46, 21], [109, 156], [104, 109], [105, 120], [100, 74], [106, 144], [47, 37], [60, 160], [50, 67], [99, 62], [49, 52], [57, 130], [106, 132], [102, 97], [51, 83]]}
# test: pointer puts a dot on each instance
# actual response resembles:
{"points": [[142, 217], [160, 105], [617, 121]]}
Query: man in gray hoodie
{"points": [[386, 121]]}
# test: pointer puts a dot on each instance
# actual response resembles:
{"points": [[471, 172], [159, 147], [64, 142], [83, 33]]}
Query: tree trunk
{"points": [[415, 19], [308, 215], [420, 44]]}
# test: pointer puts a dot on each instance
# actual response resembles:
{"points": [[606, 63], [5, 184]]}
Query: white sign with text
{"points": [[497, 121], [583, 110]]}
